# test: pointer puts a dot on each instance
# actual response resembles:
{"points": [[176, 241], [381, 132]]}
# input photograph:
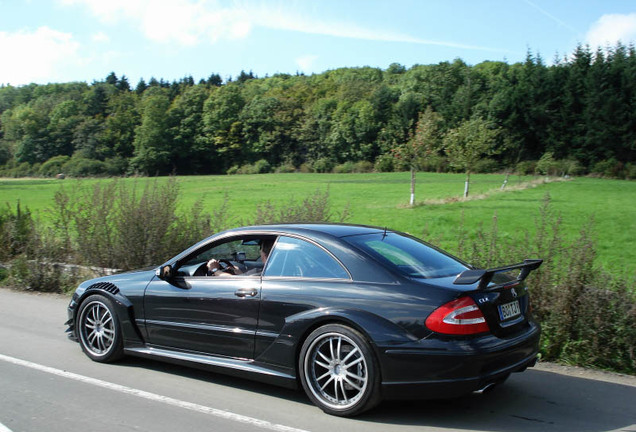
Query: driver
{"points": [[215, 268]]}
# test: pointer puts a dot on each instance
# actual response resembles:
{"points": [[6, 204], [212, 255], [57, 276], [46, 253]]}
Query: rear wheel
{"points": [[338, 371], [99, 331]]}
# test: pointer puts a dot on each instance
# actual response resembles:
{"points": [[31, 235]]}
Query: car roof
{"points": [[335, 230]]}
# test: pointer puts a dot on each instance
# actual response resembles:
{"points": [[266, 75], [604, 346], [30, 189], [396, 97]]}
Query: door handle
{"points": [[246, 292]]}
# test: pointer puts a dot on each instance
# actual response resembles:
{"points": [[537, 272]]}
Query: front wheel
{"points": [[98, 329], [338, 371]]}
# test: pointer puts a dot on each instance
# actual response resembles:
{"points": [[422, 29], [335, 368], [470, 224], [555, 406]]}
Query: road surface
{"points": [[47, 384]]}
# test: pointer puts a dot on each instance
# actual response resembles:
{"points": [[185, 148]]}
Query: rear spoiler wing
{"points": [[469, 277]]}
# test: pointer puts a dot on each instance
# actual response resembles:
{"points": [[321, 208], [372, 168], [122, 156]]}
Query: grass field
{"points": [[381, 199]]}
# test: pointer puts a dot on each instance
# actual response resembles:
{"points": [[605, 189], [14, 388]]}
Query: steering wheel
{"points": [[227, 266]]}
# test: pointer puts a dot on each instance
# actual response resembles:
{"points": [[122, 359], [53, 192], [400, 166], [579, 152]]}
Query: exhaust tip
{"points": [[485, 388]]}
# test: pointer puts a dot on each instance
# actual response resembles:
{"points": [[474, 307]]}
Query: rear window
{"points": [[409, 256]]}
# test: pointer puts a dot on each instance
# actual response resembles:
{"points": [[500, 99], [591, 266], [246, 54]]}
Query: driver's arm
{"points": [[215, 269]]}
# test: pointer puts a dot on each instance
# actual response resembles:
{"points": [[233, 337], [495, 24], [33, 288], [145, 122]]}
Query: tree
{"points": [[153, 144], [424, 142], [468, 143]]}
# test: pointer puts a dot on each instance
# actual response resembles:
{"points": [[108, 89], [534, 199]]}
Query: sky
{"points": [[43, 41]]}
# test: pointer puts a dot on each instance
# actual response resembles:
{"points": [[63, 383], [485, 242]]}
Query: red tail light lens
{"points": [[458, 317]]}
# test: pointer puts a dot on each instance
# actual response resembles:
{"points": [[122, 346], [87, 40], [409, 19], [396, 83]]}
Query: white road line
{"points": [[3, 428], [150, 396]]}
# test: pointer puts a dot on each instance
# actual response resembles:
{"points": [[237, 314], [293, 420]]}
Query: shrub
{"points": [[571, 167], [16, 230], [486, 165], [81, 167], [314, 208], [286, 168], [41, 267], [306, 168], [384, 163], [344, 168], [610, 168], [363, 167], [117, 226], [587, 315], [12, 169], [53, 166], [259, 167], [526, 167], [262, 167], [116, 166], [547, 165], [323, 165]]}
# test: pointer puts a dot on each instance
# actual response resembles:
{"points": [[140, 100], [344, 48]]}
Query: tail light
{"points": [[458, 317]]}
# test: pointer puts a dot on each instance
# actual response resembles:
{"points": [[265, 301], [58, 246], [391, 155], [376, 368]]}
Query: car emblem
{"points": [[514, 293]]}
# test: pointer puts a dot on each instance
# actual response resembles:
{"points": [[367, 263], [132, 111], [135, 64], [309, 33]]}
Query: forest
{"points": [[574, 116]]}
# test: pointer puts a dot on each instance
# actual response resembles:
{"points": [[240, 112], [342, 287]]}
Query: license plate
{"points": [[509, 310]]}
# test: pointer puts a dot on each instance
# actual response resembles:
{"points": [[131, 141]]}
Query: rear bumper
{"points": [[434, 368]]}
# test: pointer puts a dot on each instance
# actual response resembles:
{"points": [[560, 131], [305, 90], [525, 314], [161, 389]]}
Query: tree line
{"points": [[575, 116]]}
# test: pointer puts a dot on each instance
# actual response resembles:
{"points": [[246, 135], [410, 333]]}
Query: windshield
{"points": [[408, 255]]}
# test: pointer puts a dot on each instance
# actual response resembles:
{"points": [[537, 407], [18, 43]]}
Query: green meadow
{"points": [[382, 199]]}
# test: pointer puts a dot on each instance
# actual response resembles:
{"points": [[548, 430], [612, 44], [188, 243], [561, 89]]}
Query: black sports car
{"points": [[353, 313]]}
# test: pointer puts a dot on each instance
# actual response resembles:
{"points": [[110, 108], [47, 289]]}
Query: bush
{"points": [[12, 169], [259, 167], [384, 163], [314, 208], [117, 226], [571, 167], [526, 168], [434, 163], [81, 167], [116, 166], [587, 316], [610, 168], [363, 167], [262, 167], [306, 168], [487, 166], [344, 168], [323, 165], [286, 168], [547, 165], [16, 230], [53, 166], [41, 268]]}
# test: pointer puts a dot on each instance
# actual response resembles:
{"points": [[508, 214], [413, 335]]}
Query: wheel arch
{"points": [[124, 310], [377, 331]]}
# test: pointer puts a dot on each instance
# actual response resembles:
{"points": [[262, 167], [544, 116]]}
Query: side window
{"points": [[292, 257]]}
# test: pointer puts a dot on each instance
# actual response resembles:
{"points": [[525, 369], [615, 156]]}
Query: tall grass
{"points": [[587, 314]]}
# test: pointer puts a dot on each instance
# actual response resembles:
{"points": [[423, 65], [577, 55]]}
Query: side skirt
{"points": [[228, 366]]}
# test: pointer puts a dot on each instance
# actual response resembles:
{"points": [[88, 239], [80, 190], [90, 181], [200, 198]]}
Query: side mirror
{"points": [[164, 272]]}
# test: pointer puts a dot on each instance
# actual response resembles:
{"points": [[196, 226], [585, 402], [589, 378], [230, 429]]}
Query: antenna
{"points": [[384, 235]]}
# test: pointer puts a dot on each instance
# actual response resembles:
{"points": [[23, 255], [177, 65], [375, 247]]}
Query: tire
{"points": [[338, 371], [98, 329]]}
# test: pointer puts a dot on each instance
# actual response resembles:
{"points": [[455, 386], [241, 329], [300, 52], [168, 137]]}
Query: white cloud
{"points": [[100, 37], [611, 28], [306, 63], [185, 22], [189, 22], [36, 56]]}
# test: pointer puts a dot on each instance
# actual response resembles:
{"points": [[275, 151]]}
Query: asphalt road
{"points": [[47, 384]]}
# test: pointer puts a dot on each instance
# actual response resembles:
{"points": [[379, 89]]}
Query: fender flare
{"points": [[378, 331], [124, 311]]}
